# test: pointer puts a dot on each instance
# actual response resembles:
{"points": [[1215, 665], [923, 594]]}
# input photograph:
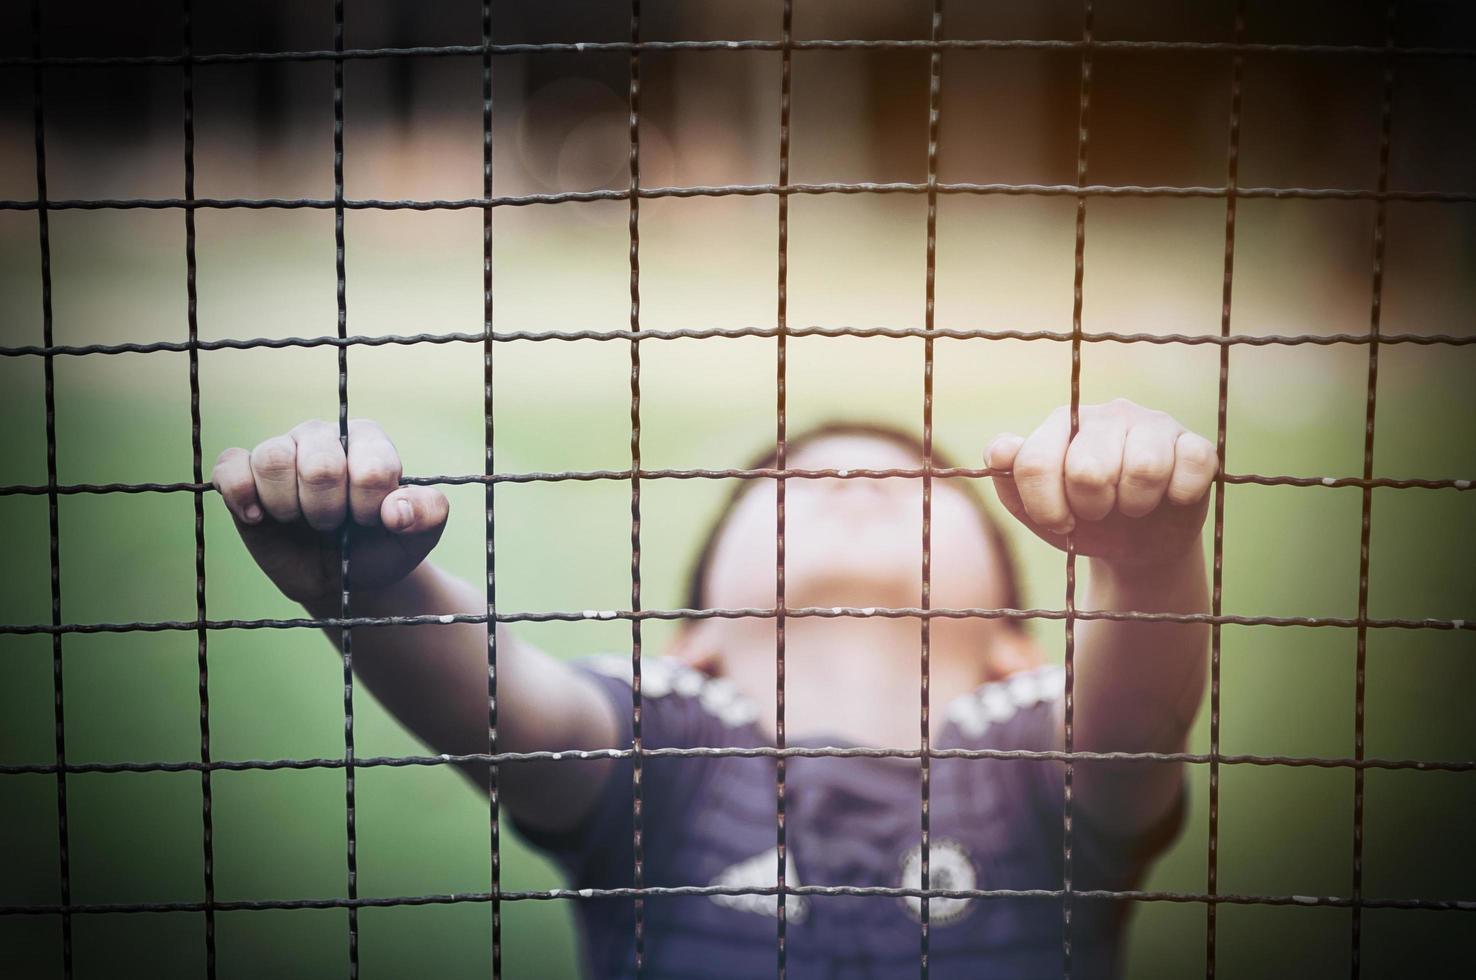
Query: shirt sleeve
{"points": [[1103, 858], [680, 708]]}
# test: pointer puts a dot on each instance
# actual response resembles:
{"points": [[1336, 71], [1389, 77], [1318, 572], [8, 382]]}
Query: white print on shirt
{"points": [[973, 713], [762, 871], [997, 702], [660, 677], [949, 869]]}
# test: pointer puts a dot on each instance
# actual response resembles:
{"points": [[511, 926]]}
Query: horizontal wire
{"points": [[814, 612], [692, 333], [767, 473], [734, 190], [558, 894], [849, 44], [255, 343], [736, 752]]}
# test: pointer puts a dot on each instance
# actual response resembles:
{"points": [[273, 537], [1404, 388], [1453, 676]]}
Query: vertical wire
{"points": [[924, 707], [781, 460], [1232, 179], [1069, 698], [637, 819], [1376, 308], [343, 539], [207, 803], [494, 829], [63, 833]]}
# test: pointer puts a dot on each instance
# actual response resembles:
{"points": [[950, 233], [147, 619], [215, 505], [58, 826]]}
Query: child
{"points": [[1132, 486]]}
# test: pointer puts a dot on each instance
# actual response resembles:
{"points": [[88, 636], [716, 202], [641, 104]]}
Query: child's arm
{"points": [[1133, 488], [290, 495], [1138, 687]]}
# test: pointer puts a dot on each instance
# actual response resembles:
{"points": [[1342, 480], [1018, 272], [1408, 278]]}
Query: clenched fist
{"points": [[291, 494], [1133, 484]]}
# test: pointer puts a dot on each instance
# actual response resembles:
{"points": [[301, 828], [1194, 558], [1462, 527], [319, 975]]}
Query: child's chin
{"points": [[853, 591]]}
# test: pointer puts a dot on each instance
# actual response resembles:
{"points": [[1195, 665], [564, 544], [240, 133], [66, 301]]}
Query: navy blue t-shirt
{"points": [[995, 823]]}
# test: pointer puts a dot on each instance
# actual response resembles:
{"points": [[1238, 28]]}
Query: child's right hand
{"points": [[290, 495]]}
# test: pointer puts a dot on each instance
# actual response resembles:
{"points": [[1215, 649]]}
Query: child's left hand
{"points": [[1133, 485]]}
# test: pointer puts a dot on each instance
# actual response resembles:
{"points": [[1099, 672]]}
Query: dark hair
{"points": [[697, 578]]}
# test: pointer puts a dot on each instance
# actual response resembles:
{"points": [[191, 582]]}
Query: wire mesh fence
{"points": [[639, 478]]}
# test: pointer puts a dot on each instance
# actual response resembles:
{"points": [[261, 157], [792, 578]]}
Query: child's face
{"points": [[854, 542]]}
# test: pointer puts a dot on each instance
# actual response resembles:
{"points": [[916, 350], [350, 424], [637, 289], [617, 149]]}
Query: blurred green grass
{"points": [[276, 694]]}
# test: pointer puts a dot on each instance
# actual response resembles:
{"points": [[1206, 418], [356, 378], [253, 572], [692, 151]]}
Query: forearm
{"points": [[433, 678], [1138, 687], [1139, 684]]}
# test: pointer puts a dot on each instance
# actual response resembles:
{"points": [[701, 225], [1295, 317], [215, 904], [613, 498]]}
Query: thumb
{"points": [[1001, 456], [414, 510], [1002, 451]]}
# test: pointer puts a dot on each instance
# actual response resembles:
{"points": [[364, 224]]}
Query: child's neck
{"points": [[855, 679]]}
